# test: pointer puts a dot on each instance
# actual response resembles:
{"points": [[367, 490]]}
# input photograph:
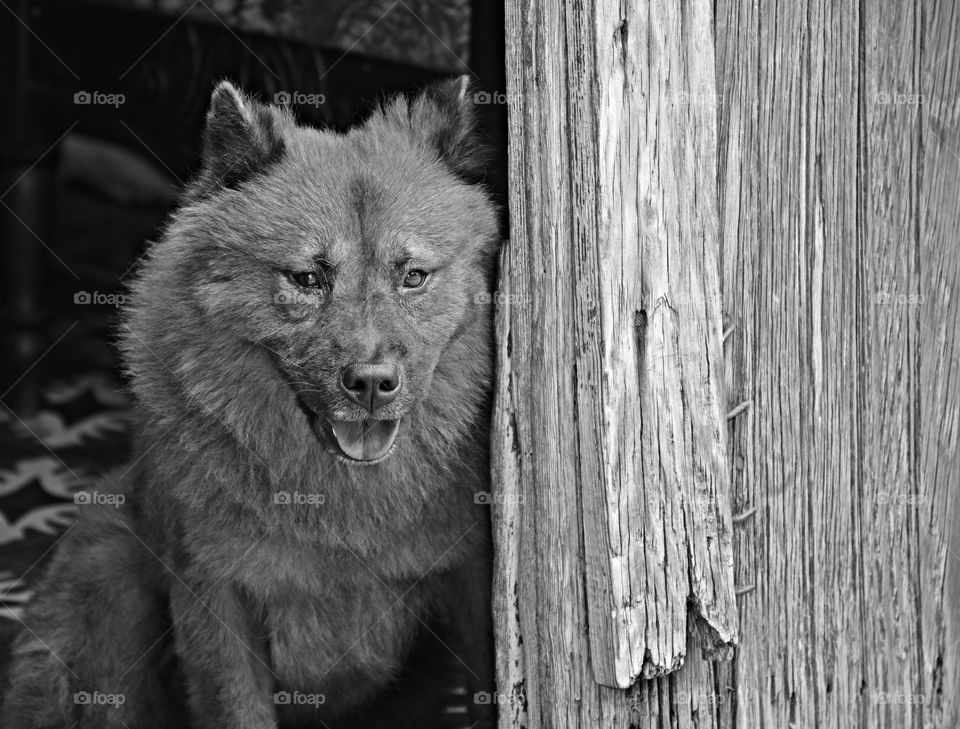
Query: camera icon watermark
{"points": [[698, 698], [495, 697], [97, 498], [95, 698], [95, 297], [893, 298], [896, 98], [485, 298], [898, 698], [491, 97], [286, 498], [297, 698], [908, 500], [299, 98], [98, 98], [485, 498]]}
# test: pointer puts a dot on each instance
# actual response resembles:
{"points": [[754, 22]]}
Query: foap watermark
{"points": [[95, 698], [99, 98], [698, 698], [910, 500], [703, 96], [98, 498], [297, 698], [898, 698], [95, 297], [493, 97], [893, 298], [485, 498], [299, 98], [489, 297], [286, 498], [895, 98], [496, 697]]}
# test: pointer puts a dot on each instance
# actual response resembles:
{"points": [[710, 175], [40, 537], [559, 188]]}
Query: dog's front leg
{"points": [[227, 675]]}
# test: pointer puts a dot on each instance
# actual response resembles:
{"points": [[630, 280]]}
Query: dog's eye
{"points": [[414, 279], [306, 279]]}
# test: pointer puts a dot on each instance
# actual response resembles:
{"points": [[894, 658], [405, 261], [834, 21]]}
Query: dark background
{"points": [[82, 186]]}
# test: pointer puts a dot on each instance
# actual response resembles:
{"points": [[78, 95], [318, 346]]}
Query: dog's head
{"points": [[356, 260]]}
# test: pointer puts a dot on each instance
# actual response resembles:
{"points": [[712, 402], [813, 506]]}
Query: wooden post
{"points": [[831, 138], [614, 516], [841, 212]]}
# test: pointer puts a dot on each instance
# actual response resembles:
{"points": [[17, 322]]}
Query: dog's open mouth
{"points": [[365, 440]]}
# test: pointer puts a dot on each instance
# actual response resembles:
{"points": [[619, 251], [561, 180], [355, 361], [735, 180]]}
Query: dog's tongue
{"points": [[366, 440]]}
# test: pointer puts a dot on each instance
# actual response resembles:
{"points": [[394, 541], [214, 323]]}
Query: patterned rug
{"points": [[47, 461]]}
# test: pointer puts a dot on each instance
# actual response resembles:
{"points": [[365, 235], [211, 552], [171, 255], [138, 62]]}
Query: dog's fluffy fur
{"points": [[201, 597]]}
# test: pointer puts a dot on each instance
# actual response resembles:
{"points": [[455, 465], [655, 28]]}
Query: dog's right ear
{"points": [[242, 138], [444, 116]]}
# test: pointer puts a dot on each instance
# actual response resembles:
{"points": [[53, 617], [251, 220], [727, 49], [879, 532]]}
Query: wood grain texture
{"points": [[839, 189], [614, 367], [507, 534], [839, 203], [647, 334]]}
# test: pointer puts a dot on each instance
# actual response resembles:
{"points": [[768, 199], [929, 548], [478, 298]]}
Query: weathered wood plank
{"points": [[937, 516], [839, 222], [507, 525], [891, 671], [648, 353], [548, 583], [614, 367], [837, 195]]}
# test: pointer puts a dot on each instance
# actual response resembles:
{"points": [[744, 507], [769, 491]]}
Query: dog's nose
{"points": [[371, 385]]}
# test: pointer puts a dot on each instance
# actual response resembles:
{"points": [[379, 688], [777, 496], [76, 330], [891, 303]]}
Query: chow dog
{"points": [[303, 538]]}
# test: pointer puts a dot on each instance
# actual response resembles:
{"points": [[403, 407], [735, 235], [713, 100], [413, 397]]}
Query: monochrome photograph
{"points": [[447, 364]]}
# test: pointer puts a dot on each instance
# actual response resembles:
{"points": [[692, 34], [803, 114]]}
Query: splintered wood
{"points": [[615, 323], [647, 346], [831, 141]]}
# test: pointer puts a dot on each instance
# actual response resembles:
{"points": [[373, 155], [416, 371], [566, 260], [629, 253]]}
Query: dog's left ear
{"points": [[444, 115], [242, 137]]}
